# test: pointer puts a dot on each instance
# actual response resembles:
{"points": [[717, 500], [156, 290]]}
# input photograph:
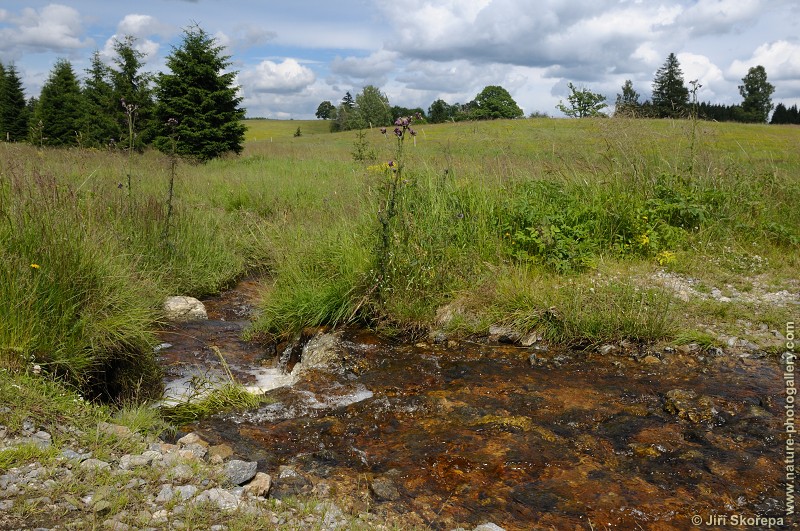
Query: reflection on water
{"points": [[477, 433]]}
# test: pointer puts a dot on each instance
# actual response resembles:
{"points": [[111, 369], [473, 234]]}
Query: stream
{"points": [[469, 432]]}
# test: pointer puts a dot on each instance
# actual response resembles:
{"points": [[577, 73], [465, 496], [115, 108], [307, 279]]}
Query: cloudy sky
{"points": [[292, 55]]}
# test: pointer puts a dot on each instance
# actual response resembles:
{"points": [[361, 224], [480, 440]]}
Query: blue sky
{"points": [[290, 56]]}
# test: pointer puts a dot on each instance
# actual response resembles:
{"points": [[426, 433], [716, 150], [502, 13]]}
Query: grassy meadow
{"points": [[545, 225]]}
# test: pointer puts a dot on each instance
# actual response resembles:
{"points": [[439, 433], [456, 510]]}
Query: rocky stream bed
{"points": [[481, 434]]}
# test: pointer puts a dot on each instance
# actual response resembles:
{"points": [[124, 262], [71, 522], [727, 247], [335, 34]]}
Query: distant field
{"points": [[261, 130]]}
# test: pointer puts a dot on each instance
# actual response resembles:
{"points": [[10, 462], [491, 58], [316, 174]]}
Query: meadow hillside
{"points": [[582, 231]]}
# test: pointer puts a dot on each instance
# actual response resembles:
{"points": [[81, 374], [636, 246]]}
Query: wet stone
{"points": [[688, 405], [289, 483], [384, 489]]}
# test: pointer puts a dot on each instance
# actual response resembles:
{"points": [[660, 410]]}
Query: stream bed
{"points": [[469, 432]]}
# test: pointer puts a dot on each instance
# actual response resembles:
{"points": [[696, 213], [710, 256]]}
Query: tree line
{"points": [[193, 110], [371, 108], [671, 98]]}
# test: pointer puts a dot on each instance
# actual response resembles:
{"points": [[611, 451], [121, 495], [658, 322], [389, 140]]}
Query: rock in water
{"points": [[184, 309]]}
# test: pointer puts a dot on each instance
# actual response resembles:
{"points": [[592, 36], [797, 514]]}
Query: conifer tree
{"points": [[627, 103], [103, 111], [132, 89], [670, 95], [202, 97], [59, 111], [2, 102]]}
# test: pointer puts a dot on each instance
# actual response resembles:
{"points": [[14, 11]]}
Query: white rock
{"points": [[219, 497], [181, 308]]}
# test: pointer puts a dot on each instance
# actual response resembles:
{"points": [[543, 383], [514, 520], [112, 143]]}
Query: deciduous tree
{"points": [[495, 102], [756, 92], [583, 103], [326, 110], [373, 105], [200, 94]]}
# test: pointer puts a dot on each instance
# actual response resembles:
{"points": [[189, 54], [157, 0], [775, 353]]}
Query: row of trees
{"points": [[194, 109], [371, 108], [671, 97]]}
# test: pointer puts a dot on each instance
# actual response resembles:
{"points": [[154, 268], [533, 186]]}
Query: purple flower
{"points": [[383, 130], [413, 133], [398, 132], [391, 163], [399, 121]]}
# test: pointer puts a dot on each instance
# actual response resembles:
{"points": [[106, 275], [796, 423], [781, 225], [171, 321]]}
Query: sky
{"points": [[291, 56]]}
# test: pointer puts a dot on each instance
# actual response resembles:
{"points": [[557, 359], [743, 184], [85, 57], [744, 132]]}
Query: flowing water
{"points": [[474, 432]]}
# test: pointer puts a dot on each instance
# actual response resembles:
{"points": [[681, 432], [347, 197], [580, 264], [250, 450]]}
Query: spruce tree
{"points": [[103, 111], [627, 103], [13, 111], [670, 95], [202, 97], [59, 111], [2, 101], [132, 89], [757, 94]]}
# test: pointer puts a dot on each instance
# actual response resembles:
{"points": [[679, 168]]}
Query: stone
{"points": [[530, 340], [223, 451], [503, 334], [239, 472], [184, 309], [115, 525], [185, 491], [220, 497], [165, 495], [323, 352], [123, 432], [606, 349], [192, 438], [128, 461], [289, 483], [384, 489], [688, 405], [651, 360], [182, 473], [95, 464], [260, 485], [489, 527]]}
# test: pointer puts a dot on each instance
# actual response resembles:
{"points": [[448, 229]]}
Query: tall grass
{"points": [[511, 218], [85, 266]]}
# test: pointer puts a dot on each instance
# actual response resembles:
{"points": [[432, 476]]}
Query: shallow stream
{"points": [[476, 431]]}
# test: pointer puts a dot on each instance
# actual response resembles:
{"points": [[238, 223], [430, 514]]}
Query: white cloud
{"points": [[279, 78], [55, 28], [142, 26], [370, 70], [781, 60], [707, 74], [719, 16]]}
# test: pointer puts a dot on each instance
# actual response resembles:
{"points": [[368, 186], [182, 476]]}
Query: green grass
{"points": [[488, 212]]}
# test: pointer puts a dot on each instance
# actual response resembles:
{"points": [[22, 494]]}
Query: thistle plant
{"points": [[695, 87], [387, 210], [172, 124], [130, 112]]}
